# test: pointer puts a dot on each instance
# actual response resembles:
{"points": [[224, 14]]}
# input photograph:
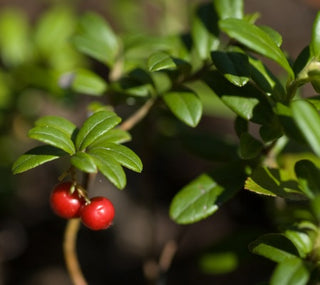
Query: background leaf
{"points": [[160, 61], [195, 201], [229, 8], [96, 39], [315, 39], [185, 105], [249, 146], [292, 271], [87, 82], [256, 39], [307, 120]]}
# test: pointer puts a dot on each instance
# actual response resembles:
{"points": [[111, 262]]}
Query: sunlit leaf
{"points": [[35, 157], [229, 8], [94, 127], [315, 39], [159, 61], [58, 123]]}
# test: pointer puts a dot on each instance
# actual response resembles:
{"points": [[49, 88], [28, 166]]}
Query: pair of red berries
{"points": [[96, 214]]}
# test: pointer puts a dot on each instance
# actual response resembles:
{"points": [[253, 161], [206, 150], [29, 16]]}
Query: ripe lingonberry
{"points": [[64, 203], [98, 214]]}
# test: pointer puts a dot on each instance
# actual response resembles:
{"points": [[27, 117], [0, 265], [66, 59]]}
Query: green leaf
{"points": [[292, 271], [113, 136], [195, 201], [301, 240], [58, 123], [229, 8], [315, 38], [249, 146], [160, 61], [109, 167], [275, 247], [219, 262], [273, 182], [277, 38], [309, 177], [54, 29], [52, 136], [204, 30], [87, 82], [122, 155], [233, 65], [256, 39], [94, 127], [96, 39], [35, 157], [185, 105], [84, 162], [15, 45], [307, 120]]}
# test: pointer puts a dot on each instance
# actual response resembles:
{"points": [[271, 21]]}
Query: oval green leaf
{"points": [[195, 201], [109, 167], [123, 155], [160, 61], [53, 137], [256, 39], [35, 157], [94, 127], [307, 120], [87, 82], [185, 105], [292, 271], [116, 136], [84, 162], [315, 38], [249, 146], [229, 8], [58, 123]]}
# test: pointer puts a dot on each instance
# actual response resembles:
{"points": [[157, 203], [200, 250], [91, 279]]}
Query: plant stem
{"points": [[73, 225], [137, 116], [70, 254]]}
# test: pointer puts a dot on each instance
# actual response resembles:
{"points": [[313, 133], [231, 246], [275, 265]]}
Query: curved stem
{"points": [[70, 253], [73, 225]]}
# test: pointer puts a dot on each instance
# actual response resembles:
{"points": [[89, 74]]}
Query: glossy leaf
{"points": [[204, 30], [35, 157], [275, 247], [229, 8], [195, 201], [113, 136], [160, 61], [308, 176], [87, 82], [84, 162], [292, 271], [58, 123], [307, 120], [122, 154], [109, 167], [94, 127], [272, 182], [96, 39], [233, 65], [273, 34], [302, 241], [249, 146], [52, 136], [185, 105], [315, 39], [256, 39]]}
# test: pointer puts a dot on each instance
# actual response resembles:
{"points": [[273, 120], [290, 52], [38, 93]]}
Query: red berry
{"points": [[65, 204], [97, 215]]}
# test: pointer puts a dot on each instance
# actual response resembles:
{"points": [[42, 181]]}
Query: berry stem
{"points": [[70, 254]]}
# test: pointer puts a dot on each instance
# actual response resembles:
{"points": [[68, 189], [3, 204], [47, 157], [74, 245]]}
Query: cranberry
{"points": [[98, 214], [64, 203]]}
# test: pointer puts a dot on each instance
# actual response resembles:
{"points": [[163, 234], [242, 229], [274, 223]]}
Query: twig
{"points": [[70, 254], [137, 116]]}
